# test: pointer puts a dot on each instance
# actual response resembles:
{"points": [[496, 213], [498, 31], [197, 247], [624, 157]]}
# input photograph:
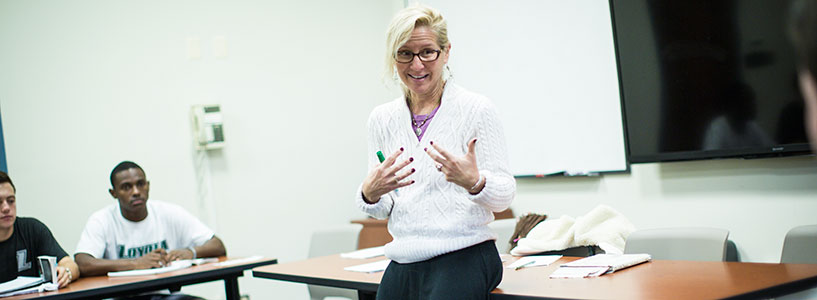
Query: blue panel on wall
{"points": [[3, 166]]}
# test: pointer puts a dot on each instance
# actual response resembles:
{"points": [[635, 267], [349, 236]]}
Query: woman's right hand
{"points": [[384, 177]]}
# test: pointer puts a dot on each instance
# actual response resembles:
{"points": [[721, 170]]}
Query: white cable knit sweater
{"points": [[432, 216]]}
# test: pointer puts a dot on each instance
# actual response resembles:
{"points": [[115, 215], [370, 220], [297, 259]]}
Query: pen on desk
{"points": [[382, 158], [523, 265]]}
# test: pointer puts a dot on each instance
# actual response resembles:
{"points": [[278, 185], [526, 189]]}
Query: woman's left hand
{"points": [[462, 170]]}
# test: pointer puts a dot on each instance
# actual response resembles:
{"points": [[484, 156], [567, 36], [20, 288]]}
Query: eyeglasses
{"points": [[425, 55]]}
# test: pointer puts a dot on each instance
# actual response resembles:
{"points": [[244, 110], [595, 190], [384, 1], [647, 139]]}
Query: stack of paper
{"points": [[598, 265], [17, 286]]}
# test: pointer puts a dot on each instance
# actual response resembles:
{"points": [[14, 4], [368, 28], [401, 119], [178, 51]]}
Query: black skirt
{"points": [[470, 273]]}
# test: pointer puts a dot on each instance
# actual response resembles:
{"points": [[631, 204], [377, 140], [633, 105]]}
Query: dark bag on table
{"points": [[523, 226]]}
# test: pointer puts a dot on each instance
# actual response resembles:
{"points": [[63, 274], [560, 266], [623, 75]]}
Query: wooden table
{"points": [[99, 287], [659, 279]]}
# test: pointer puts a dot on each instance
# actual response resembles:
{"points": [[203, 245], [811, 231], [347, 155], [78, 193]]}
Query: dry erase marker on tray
{"points": [[382, 158]]}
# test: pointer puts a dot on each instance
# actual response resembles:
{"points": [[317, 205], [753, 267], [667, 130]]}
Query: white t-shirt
{"points": [[109, 235]]}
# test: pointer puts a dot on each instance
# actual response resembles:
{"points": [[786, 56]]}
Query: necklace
{"points": [[419, 128]]}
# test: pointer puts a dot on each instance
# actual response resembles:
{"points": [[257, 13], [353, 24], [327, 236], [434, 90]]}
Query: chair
{"points": [[683, 243], [800, 245], [328, 242]]}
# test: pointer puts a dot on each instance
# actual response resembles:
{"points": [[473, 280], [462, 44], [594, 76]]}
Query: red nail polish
{"points": [[412, 181], [425, 149], [412, 170], [411, 158], [401, 148], [431, 142]]}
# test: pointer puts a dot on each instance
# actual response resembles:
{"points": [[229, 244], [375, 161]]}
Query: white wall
{"points": [[86, 84]]}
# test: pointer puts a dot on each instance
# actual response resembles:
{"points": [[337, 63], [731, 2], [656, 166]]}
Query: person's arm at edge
{"points": [[92, 266], [48, 245], [72, 274], [213, 247]]}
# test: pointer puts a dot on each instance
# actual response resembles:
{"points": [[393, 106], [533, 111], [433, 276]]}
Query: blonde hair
{"points": [[403, 24]]}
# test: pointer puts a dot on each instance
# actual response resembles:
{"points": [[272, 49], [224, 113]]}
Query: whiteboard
{"points": [[550, 68]]}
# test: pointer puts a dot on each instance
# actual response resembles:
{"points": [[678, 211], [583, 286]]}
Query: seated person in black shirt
{"points": [[22, 240]]}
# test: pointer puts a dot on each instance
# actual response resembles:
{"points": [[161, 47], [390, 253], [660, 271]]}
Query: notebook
{"points": [[20, 282], [598, 265], [175, 265]]}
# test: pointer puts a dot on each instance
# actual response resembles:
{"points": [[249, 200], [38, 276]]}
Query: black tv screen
{"points": [[705, 79]]}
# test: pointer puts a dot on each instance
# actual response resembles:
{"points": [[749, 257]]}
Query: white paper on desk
{"points": [[175, 265], [613, 262], [19, 283], [365, 253], [34, 289], [201, 261], [377, 266], [538, 260], [578, 272]]}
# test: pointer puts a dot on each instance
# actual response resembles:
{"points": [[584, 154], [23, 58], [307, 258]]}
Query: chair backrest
{"points": [[503, 229], [333, 241], [800, 245], [328, 242], [683, 243]]}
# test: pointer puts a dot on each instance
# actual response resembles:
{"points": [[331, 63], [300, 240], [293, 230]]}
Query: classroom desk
{"points": [[98, 287], [659, 279]]}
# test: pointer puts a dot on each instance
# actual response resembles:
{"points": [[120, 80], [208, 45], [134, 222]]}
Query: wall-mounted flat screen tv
{"points": [[704, 79]]}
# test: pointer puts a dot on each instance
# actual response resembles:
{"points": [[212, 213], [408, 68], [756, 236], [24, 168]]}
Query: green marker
{"points": [[380, 156], [383, 158]]}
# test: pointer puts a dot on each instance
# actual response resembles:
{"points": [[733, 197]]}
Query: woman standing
{"points": [[446, 173]]}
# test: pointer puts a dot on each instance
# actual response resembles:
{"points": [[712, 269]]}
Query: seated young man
{"points": [[136, 234], [22, 240]]}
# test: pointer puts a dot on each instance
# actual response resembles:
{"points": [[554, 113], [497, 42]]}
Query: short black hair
{"points": [[125, 165], [803, 33], [4, 177]]}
